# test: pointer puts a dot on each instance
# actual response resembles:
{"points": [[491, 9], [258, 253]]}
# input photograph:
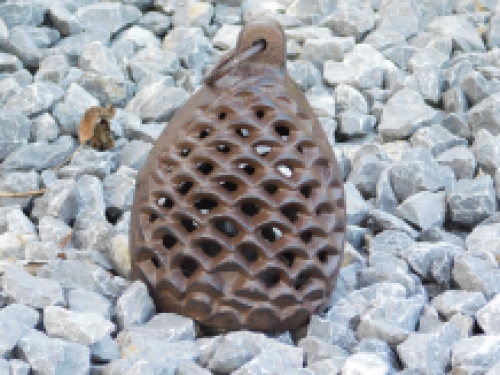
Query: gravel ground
{"points": [[408, 93]]}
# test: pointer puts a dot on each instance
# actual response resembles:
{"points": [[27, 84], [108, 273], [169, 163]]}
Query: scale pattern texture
{"points": [[243, 224]]}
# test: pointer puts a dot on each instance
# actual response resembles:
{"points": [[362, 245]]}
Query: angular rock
{"points": [[120, 255], [357, 208], [135, 306], [304, 73], [456, 123], [430, 83], [59, 201], [149, 103], [107, 89], [39, 156], [18, 367], [15, 320], [424, 209], [72, 274], [134, 154], [88, 161], [471, 201], [42, 251], [379, 348], [477, 273], [418, 171], [486, 149], [429, 352], [105, 350], [14, 13], [367, 164], [17, 182], [45, 128], [191, 368], [464, 35], [436, 139], [34, 99], [392, 242], [65, 22], [81, 327], [349, 99], [152, 59], [9, 63], [317, 350], [353, 124], [83, 300], [193, 14], [107, 16], [404, 114], [364, 364], [458, 301], [349, 20], [392, 320], [463, 323], [48, 355], [21, 287], [476, 87], [332, 333], [484, 239], [324, 49], [29, 43], [485, 115], [385, 199], [53, 68], [379, 220], [190, 44], [488, 317], [479, 353], [461, 160], [432, 261], [157, 22], [454, 100]]}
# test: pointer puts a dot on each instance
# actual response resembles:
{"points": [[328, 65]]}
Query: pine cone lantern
{"points": [[239, 215]]}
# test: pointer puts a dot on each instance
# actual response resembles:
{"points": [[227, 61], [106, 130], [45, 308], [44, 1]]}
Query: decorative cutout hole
{"points": [[259, 113], [153, 218], [283, 131], [271, 234], [156, 261], [165, 202], [306, 191], [291, 212], [302, 279], [287, 258], [169, 241], [271, 189], [205, 168], [261, 41], [306, 237], [223, 148], [189, 225], [300, 149], [188, 267], [113, 214], [270, 278], [222, 116], [226, 227], [249, 253], [210, 248], [263, 150], [249, 170], [243, 132], [184, 187], [185, 152], [204, 205], [285, 170], [324, 209], [229, 186], [250, 209], [323, 256], [204, 133]]}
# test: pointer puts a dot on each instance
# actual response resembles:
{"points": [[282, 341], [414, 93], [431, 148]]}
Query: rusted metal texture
{"points": [[239, 214]]}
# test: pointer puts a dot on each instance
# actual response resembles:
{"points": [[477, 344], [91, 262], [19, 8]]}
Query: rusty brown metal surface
{"points": [[239, 214]]}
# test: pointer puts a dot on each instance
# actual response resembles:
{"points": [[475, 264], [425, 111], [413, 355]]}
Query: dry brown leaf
{"points": [[94, 123], [479, 6]]}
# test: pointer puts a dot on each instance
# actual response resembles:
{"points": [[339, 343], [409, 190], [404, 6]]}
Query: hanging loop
{"points": [[231, 60]]}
